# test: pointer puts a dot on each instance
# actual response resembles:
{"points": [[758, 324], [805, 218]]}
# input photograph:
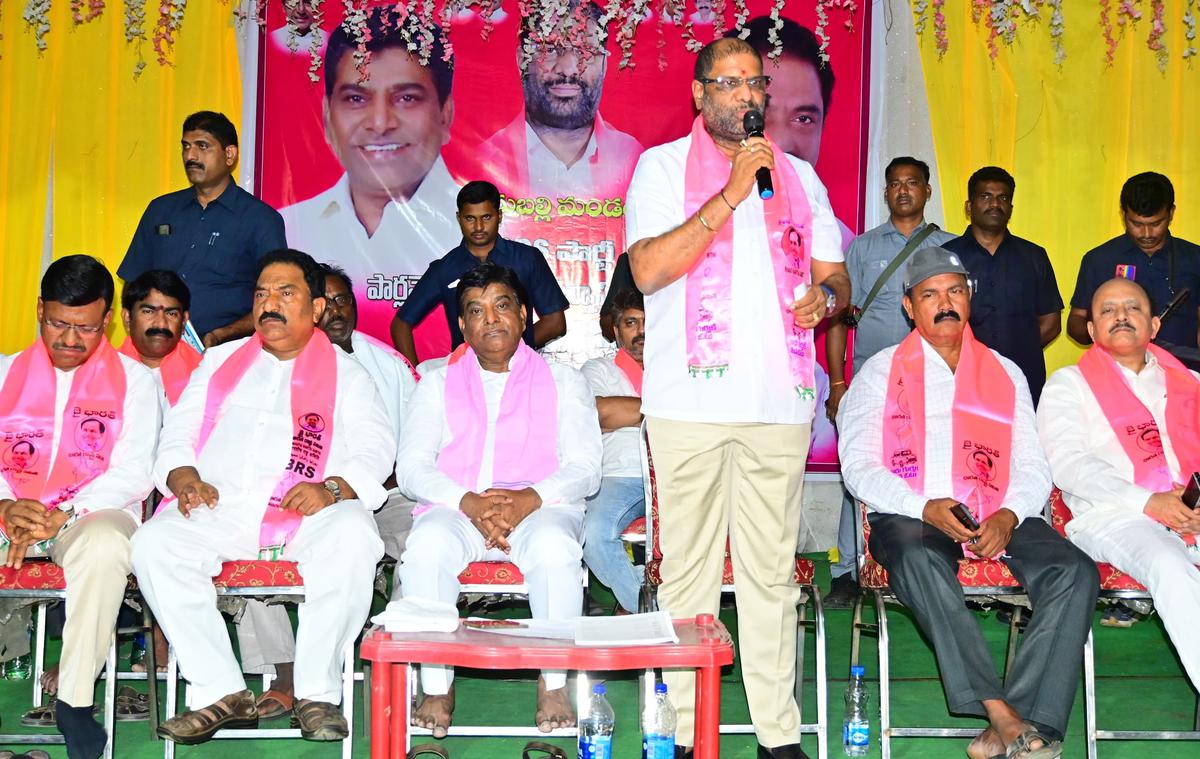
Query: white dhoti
{"points": [[546, 547], [175, 558], [1158, 559]]}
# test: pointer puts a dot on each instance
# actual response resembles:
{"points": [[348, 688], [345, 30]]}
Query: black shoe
{"points": [[1004, 615], [843, 592], [85, 738], [683, 752], [790, 751]]}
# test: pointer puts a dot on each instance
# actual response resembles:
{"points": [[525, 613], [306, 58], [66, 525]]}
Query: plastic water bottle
{"points": [[856, 728], [595, 731], [658, 726]]}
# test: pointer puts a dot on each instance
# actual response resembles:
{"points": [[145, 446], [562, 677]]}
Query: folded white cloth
{"points": [[418, 615]]}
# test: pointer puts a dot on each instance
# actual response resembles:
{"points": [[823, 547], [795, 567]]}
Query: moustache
{"points": [[577, 81], [271, 315], [639, 340], [949, 313], [193, 165], [159, 332], [1120, 326], [65, 347]]}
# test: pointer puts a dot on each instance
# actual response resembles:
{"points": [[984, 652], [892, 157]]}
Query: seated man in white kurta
{"points": [[1121, 433], [499, 449], [276, 449]]}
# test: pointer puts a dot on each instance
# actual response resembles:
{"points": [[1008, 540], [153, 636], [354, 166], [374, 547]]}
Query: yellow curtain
{"points": [[1070, 135], [113, 140]]}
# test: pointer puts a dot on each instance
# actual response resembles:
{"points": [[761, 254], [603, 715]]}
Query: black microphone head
{"points": [[753, 123]]}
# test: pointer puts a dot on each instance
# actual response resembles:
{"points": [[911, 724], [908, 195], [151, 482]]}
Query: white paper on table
{"points": [[628, 630]]}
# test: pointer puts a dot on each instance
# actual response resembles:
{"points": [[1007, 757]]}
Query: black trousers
{"points": [[1062, 583]]}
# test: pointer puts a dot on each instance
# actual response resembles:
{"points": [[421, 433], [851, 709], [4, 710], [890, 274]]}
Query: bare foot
{"points": [[435, 713], [986, 745], [50, 680], [553, 708]]}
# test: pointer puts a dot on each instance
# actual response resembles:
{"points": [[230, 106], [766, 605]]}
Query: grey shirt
{"points": [[884, 323]]}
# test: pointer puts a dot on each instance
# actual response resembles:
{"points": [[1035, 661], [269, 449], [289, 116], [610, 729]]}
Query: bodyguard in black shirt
{"points": [[1016, 308], [1147, 253]]}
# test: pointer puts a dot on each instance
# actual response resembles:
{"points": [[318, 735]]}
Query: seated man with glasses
{"points": [[78, 426]]}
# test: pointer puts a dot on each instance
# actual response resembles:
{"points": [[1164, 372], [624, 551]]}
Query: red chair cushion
{"points": [[802, 573], [1111, 578], [258, 574], [635, 531], [491, 573], [39, 574]]}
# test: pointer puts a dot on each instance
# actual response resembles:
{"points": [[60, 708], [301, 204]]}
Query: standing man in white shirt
{"points": [[78, 501], [392, 212], [941, 421], [265, 639], [734, 287], [617, 384], [276, 450], [1121, 433], [499, 450]]}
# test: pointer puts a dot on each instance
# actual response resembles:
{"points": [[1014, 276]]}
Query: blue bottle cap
{"points": [[598, 689], [857, 670], [660, 688]]}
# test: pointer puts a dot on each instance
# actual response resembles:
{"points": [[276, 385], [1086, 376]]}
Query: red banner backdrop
{"points": [[366, 178]]}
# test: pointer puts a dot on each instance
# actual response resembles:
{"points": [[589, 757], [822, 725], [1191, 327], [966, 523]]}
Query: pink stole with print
{"points": [[709, 304], [525, 447], [630, 368], [1134, 425], [91, 423], [313, 396], [176, 367], [982, 416]]}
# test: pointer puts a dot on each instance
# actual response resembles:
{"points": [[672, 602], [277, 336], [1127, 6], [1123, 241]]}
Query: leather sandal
{"points": [[273, 704], [1020, 748], [427, 748], [319, 720], [131, 706], [197, 726], [553, 752]]}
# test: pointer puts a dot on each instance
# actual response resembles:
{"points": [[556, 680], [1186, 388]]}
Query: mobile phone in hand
{"points": [[1191, 494], [965, 517]]}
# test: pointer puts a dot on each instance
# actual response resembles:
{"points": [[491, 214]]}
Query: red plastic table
{"points": [[704, 645]]}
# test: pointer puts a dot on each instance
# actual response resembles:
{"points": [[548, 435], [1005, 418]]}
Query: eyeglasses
{"points": [[341, 301], [731, 83], [83, 329]]}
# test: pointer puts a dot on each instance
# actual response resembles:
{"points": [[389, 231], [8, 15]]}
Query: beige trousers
{"points": [[95, 556], [743, 481]]}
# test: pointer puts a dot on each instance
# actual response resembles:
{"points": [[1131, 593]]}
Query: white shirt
{"points": [[758, 386], [622, 449], [164, 403], [126, 482], [251, 442], [426, 433], [860, 441], [1088, 463], [548, 174], [393, 379], [385, 266]]}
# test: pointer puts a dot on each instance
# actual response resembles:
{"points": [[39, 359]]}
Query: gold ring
{"points": [[743, 143]]}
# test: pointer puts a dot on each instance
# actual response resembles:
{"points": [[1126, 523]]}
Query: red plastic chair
{"points": [[1114, 584], [802, 575], [979, 578]]}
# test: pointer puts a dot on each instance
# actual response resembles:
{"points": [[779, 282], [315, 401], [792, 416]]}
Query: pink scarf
{"points": [[91, 423], [982, 418], [525, 449], [313, 392], [632, 369], [176, 367], [788, 220], [1133, 424]]}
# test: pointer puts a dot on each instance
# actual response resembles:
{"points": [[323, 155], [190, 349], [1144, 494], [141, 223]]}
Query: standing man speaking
{"points": [[734, 287]]}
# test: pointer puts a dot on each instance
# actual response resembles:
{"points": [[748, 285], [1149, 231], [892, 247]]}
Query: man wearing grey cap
{"points": [[938, 421]]}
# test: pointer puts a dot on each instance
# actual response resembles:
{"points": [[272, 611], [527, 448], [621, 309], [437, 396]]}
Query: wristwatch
{"points": [[830, 299], [332, 486]]}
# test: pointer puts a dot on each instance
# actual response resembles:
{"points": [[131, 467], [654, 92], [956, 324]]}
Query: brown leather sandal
{"points": [[551, 751], [427, 748], [273, 704], [319, 720], [199, 725]]}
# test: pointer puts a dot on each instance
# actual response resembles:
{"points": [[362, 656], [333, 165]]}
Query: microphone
{"points": [[1169, 310], [753, 123]]}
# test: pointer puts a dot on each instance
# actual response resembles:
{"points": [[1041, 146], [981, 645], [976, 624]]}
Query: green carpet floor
{"points": [[1141, 686]]}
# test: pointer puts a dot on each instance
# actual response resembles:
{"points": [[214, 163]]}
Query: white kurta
{"points": [[336, 548], [1109, 524], [545, 546]]}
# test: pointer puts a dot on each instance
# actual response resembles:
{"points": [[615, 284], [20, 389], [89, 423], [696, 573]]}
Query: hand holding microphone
{"points": [[753, 161]]}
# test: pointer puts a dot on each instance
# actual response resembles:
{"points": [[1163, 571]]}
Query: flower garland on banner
{"points": [[552, 23], [1189, 30]]}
